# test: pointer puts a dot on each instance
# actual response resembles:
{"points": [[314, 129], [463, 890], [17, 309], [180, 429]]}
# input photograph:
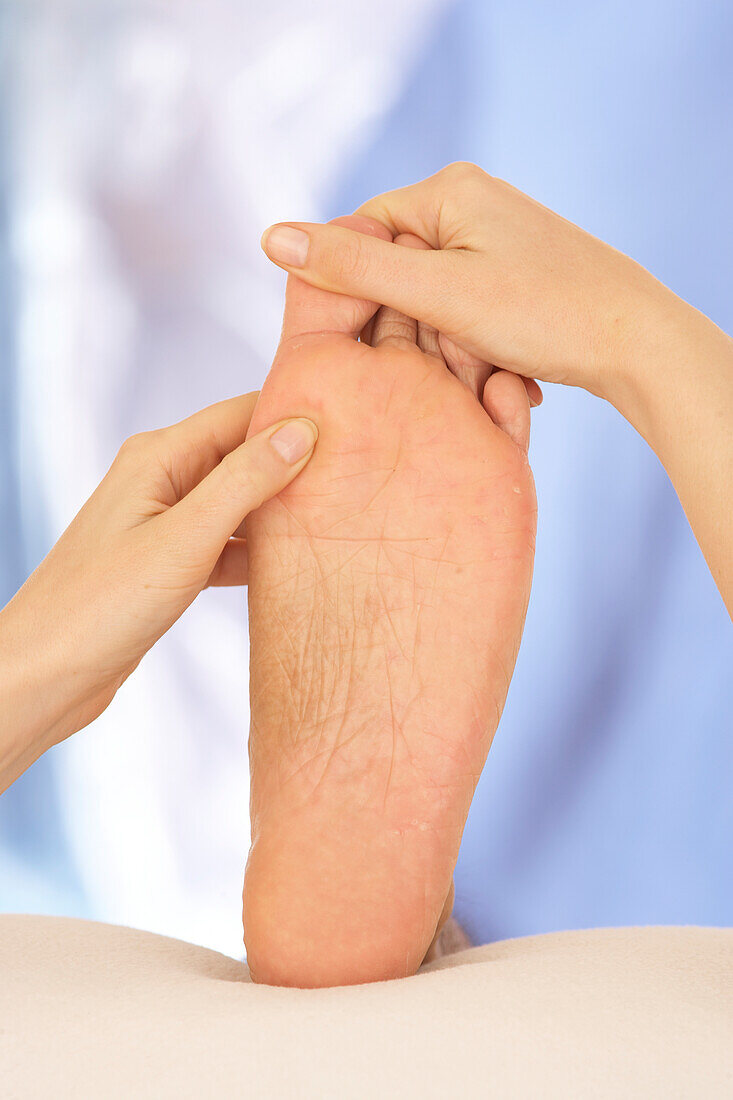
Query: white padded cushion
{"points": [[91, 1010]]}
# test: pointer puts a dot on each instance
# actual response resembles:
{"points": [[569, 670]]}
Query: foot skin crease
{"points": [[388, 586]]}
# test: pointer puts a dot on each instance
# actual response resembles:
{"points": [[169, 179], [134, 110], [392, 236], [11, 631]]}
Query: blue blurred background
{"points": [[143, 148]]}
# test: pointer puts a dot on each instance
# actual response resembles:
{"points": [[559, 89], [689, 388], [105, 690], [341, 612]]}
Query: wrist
{"points": [[673, 355], [40, 695]]}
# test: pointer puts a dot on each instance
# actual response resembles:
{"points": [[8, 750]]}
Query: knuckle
{"points": [[136, 448], [465, 171], [241, 479]]}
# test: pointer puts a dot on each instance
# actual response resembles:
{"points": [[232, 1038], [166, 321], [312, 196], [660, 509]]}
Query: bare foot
{"points": [[387, 593]]}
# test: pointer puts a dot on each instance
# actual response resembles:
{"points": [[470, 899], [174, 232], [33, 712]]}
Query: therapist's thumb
{"points": [[244, 479], [331, 257]]}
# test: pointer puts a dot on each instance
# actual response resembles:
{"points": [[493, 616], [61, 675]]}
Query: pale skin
{"points": [[512, 283]]}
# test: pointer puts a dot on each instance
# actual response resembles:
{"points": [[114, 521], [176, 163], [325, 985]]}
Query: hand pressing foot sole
{"points": [[387, 592]]}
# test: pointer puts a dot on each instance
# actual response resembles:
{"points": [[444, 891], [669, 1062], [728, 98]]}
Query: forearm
{"points": [[679, 396], [40, 703]]}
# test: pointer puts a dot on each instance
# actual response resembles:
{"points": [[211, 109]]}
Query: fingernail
{"points": [[294, 440], [286, 245]]}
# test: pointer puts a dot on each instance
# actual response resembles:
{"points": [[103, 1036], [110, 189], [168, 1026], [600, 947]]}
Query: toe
{"points": [[429, 341], [470, 370], [390, 327], [427, 335], [506, 401], [309, 310]]}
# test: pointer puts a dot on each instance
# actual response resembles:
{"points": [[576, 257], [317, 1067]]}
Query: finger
{"points": [[223, 425], [231, 567], [468, 368], [190, 449], [245, 478], [311, 310], [507, 403], [444, 286], [423, 284], [427, 209], [427, 335]]}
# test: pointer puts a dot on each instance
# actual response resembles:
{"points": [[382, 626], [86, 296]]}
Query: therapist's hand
{"points": [[508, 280], [155, 532], [511, 283]]}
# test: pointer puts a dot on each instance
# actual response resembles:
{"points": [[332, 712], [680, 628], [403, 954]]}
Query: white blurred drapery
{"points": [[151, 143]]}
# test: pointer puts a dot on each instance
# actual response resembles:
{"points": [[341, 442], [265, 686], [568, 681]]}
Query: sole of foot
{"points": [[388, 589]]}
